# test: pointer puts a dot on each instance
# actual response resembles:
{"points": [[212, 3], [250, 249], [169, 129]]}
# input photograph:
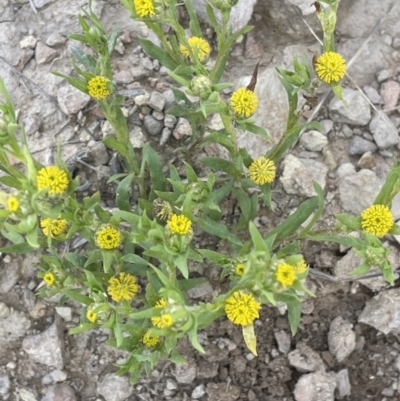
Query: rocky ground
{"points": [[348, 344]]}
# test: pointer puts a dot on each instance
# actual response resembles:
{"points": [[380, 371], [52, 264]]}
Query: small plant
{"points": [[133, 275]]}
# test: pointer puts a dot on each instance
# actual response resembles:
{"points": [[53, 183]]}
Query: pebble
{"points": [[152, 126], [305, 359], [384, 131], [71, 100], [367, 160], [136, 137], [185, 374], [99, 153], [372, 94], [28, 42], [44, 54], [156, 101], [5, 384], [165, 135], [318, 386], [26, 395], [222, 392], [383, 75], [55, 39], [357, 113], [64, 312], [41, 3], [343, 386], [201, 291], [313, 140], [114, 388], [198, 391], [58, 375], [347, 131], [170, 121], [60, 392], [12, 325], [341, 338], [47, 347], [283, 339], [182, 129], [327, 126], [390, 91], [9, 277], [359, 146], [142, 100]]}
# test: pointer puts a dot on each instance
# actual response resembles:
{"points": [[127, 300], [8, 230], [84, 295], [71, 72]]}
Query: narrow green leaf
{"points": [[122, 195], [218, 229], [294, 316], [83, 327], [160, 54], [155, 165], [218, 164], [76, 295]]}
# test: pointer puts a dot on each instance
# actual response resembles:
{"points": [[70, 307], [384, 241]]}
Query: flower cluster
{"points": [[330, 67], [165, 319], [242, 308], [13, 204], [179, 224], [144, 8], [244, 102], [97, 87], [377, 220], [53, 178], [150, 341], [91, 316], [198, 46], [108, 237], [49, 278], [122, 287], [285, 274], [262, 171], [53, 227]]}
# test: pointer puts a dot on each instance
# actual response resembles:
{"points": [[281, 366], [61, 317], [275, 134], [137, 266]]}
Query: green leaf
{"points": [[131, 218], [250, 338], [188, 284], [349, 221], [294, 316], [112, 40], [85, 59], [192, 334], [255, 129], [362, 269], [83, 327], [181, 263], [176, 358], [212, 19], [11, 182], [258, 241], [118, 332], [218, 229], [160, 54], [18, 248], [289, 249], [390, 188], [244, 202], [76, 295], [218, 164], [155, 165], [108, 257], [349, 241], [115, 144], [194, 22], [144, 314], [78, 83], [132, 258], [122, 196]]}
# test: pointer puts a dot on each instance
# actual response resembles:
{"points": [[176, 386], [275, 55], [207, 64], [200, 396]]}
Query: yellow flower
{"points": [[162, 209], [240, 269], [285, 275], [53, 227], [108, 237], [92, 316], [144, 7], [244, 102], [49, 278], [242, 308], [330, 67], [53, 178], [97, 87], [13, 204], [301, 267], [164, 320], [150, 341], [377, 220], [179, 224], [262, 170], [122, 287], [198, 45]]}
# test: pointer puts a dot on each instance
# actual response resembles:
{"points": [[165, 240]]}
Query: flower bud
{"points": [[223, 4], [201, 86]]}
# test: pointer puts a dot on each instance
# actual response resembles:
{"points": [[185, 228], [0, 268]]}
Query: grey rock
{"points": [[313, 140], [5, 384], [202, 290], [304, 5], [388, 392], [64, 312], [327, 126], [9, 277], [136, 137], [152, 126], [359, 146], [99, 154], [26, 395], [222, 392], [346, 169], [42, 3], [158, 115], [343, 386], [170, 121], [240, 14], [383, 312], [182, 129], [283, 339], [107, 129], [299, 174], [47, 347], [185, 373], [13, 327], [372, 94], [239, 364], [390, 91], [114, 388], [341, 338], [4, 310], [305, 359], [60, 392], [367, 160], [347, 131], [198, 391], [28, 42], [44, 54], [358, 111], [165, 135], [384, 131], [32, 123], [383, 75], [142, 100], [318, 386], [55, 39], [58, 375], [157, 101], [71, 100]]}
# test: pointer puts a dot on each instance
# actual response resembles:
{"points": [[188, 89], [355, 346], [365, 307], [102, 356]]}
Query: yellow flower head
{"points": [[53, 227], [198, 45], [108, 237], [97, 87], [49, 278], [244, 102], [179, 224], [377, 220], [92, 316], [162, 209], [285, 274], [330, 67], [301, 267], [240, 269], [150, 341], [122, 287], [262, 171], [164, 320], [13, 204], [144, 8], [53, 178], [242, 308]]}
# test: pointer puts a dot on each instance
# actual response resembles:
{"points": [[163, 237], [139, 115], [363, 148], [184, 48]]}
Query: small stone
{"points": [[367, 160], [152, 126], [359, 146], [283, 339], [60, 392], [44, 54], [372, 94], [347, 131], [383, 75], [387, 392], [182, 129], [58, 375], [13, 327], [384, 131], [158, 115], [318, 386], [99, 154], [239, 364], [32, 124], [55, 39], [170, 121], [4, 310], [26, 395], [390, 91], [185, 374], [9, 277], [41, 3], [305, 359], [47, 347], [28, 42], [198, 392], [136, 137], [201, 291], [5, 384], [64, 312], [71, 100], [107, 129], [142, 100], [114, 388], [222, 392], [157, 101], [341, 338], [165, 135], [327, 126], [343, 386], [313, 140]]}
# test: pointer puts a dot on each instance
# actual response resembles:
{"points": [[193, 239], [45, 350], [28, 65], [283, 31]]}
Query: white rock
{"points": [[341, 338], [64, 312], [313, 140], [58, 375], [26, 395], [318, 386], [305, 359], [343, 386], [114, 388], [198, 391]]}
